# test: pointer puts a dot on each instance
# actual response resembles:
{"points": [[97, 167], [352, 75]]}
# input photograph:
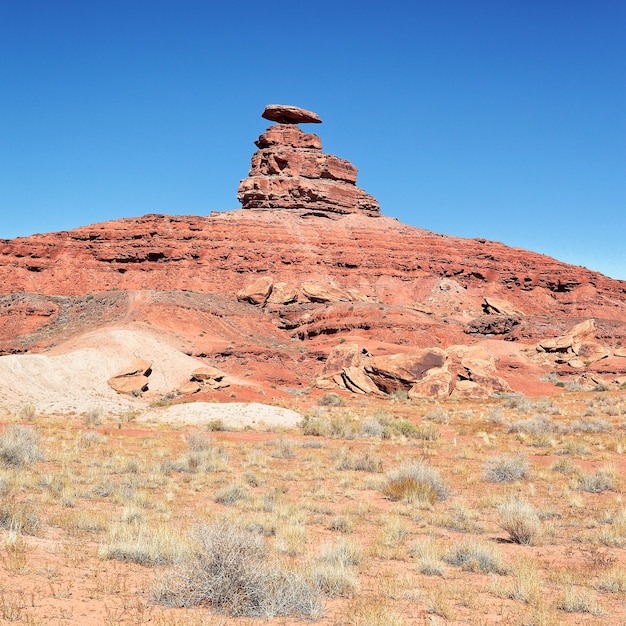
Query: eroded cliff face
{"points": [[381, 257], [268, 294]]}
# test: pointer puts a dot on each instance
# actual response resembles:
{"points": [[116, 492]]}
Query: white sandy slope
{"points": [[233, 415], [72, 378]]}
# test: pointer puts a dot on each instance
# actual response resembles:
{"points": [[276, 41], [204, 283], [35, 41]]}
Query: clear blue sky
{"points": [[496, 119]]}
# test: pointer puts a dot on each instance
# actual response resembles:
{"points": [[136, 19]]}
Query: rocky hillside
{"points": [[320, 291]]}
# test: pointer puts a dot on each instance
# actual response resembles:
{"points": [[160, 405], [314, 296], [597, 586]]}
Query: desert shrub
{"points": [[372, 427], [429, 555], [440, 416], [89, 438], [613, 580], [475, 556], [94, 416], [198, 440], [400, 394], [573, 448], [564, 466], [547, 406], [344, 553], [459, 518], [578, 600], [427, 432], [231, 494], [27, 412], [341, 524], [198, 459], [283, 449], [235, 572], [330, 399], [314, 444], [536, 425], [361, 461], [403, 427], [315, 426], [19, 517], [590, 426], [495, 416], [333, 580], [342, 427], [415, 482], [19, 446], [595, 482], [519, 402], [520, 521], [216, 425], [506, 469]]}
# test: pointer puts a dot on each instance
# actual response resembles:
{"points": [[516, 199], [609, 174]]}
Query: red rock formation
{"points": [[181, 276], [290, 171]]}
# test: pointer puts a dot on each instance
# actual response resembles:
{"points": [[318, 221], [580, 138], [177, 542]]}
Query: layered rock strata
{"points": [[290, 171]]}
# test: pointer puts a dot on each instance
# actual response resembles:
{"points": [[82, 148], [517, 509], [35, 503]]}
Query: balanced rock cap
{"points": [[285, 114]]}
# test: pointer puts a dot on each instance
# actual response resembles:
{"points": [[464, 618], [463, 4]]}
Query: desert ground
{"points": [[362, 511]]}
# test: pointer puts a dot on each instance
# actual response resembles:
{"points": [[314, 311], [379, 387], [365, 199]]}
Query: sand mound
{"points": [[233, 415], [73, 376]]}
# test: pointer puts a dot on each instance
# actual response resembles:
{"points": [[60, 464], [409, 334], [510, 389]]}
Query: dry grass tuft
{"points": [[475, 556], [521, 522], [19, 446], [415, 482]]}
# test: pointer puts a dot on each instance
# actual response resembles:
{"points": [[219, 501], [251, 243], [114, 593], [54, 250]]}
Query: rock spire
{"points": [[290, 171]]}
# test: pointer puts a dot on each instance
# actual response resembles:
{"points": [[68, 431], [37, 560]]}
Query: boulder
{"points": [[497, 306], [132, 379], [319, 293], [468, 389], [590, 352], [436, 384], [282, 293], [287, 114], [138, 366], [189, 387], [339, 381], [341, 356], [206, 373], [357, 381], [492, 325], [585, 332], [135, 383], [258, 292], [324, 383], [401, 371]]}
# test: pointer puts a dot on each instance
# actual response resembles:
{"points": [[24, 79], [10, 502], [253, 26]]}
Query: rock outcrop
{"points": [[577, 347], [132, 379], [290, 171]]}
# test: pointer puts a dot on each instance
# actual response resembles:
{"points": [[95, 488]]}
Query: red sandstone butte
{"points": [[290, 171]]}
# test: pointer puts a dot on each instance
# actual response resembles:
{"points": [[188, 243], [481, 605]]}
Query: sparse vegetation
{"points": [[365, 515], [506, 469]]}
